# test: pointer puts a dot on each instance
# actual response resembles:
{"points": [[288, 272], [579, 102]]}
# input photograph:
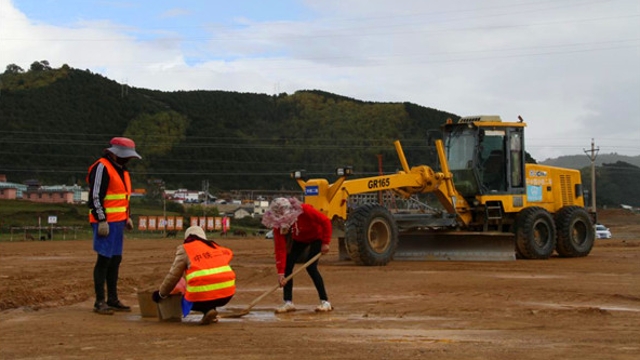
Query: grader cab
{"points": [[493, 205]]}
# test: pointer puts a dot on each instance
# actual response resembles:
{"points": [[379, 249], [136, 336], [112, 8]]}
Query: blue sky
{"points": [[160, 13], [190, 22], [568, 67]]}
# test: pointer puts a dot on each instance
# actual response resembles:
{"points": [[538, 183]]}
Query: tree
{"points": [[40, 66], [13, 69]]}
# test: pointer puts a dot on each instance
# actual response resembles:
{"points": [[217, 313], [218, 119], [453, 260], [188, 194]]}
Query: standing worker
{"points": [[210, 281], [109, 193], [296, 228]]}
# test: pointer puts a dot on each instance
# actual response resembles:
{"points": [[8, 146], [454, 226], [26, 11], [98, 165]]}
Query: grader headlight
{"points": [[344, 171], [298, 174]]}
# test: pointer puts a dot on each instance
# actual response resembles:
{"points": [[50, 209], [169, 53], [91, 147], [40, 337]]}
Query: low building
{"points": [[241, 213], [32, 191], [49, 196], [10, 191], [184, 196], [260, 207]]}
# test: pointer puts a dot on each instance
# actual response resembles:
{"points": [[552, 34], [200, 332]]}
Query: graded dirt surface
{"points": [[583, 308]]}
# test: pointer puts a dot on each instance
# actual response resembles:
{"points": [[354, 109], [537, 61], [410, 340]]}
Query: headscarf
{"points": [[282, 213]]}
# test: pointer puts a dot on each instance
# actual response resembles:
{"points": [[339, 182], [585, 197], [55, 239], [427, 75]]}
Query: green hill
{"points": [[56, 122]]}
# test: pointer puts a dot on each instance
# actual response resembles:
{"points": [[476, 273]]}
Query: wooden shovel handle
{"points": [[294, 273]]}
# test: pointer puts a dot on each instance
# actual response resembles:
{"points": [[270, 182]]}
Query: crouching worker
{"points": [[210, 281]]}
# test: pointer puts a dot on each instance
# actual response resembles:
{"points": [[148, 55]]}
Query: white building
{"points": [[184, 196]]}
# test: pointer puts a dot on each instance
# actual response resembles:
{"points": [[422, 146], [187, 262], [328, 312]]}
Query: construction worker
{"points": [[109, 193], [210, 281], [296, 228]]}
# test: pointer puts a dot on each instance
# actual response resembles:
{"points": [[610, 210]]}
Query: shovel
{"points": [[270, 291]]}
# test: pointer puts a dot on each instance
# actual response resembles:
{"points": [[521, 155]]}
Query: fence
{"points": [[176, 223], [44, 232]]}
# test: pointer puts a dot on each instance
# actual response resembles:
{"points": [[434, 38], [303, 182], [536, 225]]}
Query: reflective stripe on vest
{"points": [[218, 286], [205, 272], [112, 210], [115, 196], [116, 200]]}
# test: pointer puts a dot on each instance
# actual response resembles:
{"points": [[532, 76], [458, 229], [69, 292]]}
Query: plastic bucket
{"points": [[148, 308], [170, 309]]}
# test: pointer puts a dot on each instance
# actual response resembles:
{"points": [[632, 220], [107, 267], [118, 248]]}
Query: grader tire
{"points": [[535, 234], [371, 235], [575, 232]]}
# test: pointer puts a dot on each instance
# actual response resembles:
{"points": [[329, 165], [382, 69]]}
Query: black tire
{"points": [[371, 235], [575, 232], [535, 234]]}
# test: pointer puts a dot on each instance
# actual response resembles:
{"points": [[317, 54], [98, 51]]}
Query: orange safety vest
{"points": [[209, 276], [116, 201]]}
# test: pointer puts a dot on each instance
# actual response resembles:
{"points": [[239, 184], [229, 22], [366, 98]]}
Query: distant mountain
{"points": [[616, 176], [580, 161]]}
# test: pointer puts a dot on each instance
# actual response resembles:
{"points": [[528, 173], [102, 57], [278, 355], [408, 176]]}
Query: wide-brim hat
{"points": [[282, 213], [123, 147], [195, 231]]}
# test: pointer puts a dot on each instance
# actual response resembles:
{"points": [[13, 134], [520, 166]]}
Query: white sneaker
{"points": [[285, 308], [324, 306]]}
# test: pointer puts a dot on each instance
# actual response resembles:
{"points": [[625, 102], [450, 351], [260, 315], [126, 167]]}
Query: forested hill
{"points": [[56, 122], [616, 176], [582, 161]]}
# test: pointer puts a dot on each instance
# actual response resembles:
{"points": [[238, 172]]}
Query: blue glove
{"points": [[157, 297]]}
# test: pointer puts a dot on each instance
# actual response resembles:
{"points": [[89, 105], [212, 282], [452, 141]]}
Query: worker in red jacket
{"points": [[296, 228]]}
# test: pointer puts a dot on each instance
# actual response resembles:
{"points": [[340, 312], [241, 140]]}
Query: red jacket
{"points": [[311, 225]]}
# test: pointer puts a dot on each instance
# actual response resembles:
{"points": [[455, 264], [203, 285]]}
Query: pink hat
{"points": [[282, 213], [123, 147]]}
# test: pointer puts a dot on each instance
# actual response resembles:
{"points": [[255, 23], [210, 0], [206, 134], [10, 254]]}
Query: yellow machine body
{"points": [[495, 207]]}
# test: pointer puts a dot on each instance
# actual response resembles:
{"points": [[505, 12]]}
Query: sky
{"points": [[570, 68]]}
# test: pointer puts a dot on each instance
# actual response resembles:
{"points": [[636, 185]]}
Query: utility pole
{"points": [[592, 154], [205, 208], [380, 172], [164, 209], [205, 190]]}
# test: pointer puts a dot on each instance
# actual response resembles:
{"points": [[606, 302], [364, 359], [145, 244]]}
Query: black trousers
{"points": [[297, 248], [205, 306], [106, 271]]}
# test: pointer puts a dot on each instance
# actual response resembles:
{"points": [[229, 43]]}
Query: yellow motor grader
{"points": [[494, 205]]}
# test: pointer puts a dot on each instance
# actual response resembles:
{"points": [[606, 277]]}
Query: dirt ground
{"points": [[584, 308]]}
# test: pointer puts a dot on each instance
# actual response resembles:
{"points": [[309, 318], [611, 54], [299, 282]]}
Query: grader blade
{"points": [[455, 246]]}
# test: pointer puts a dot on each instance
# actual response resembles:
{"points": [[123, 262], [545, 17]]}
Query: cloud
{"points": [[569, 68], [175, 12]]}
